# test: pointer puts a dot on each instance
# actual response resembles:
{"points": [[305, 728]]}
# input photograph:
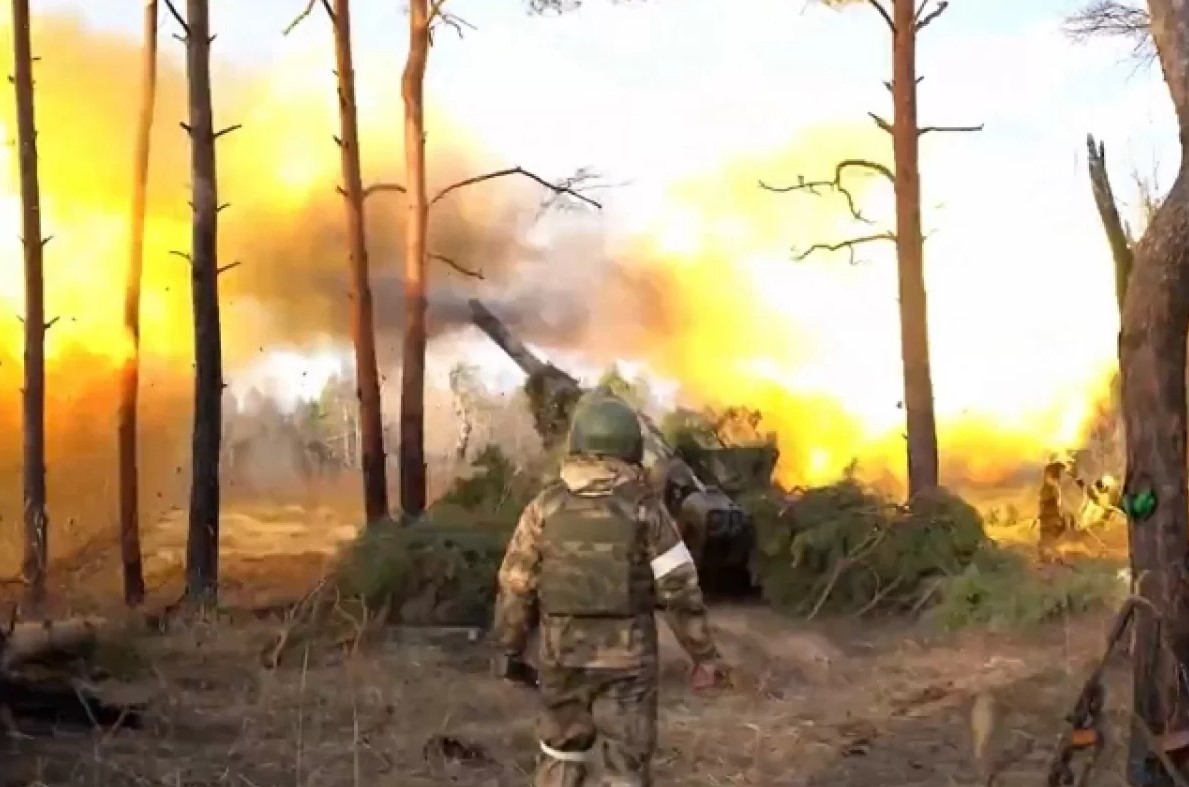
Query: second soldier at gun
{"points": [[591, 558]]}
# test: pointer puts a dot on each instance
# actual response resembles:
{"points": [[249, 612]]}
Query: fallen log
{"points": [[58, 702], [70, 638], [54, 704]]}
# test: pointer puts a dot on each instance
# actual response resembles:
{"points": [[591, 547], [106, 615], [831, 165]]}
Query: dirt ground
{"points": [[838, 703], [844, 703]]}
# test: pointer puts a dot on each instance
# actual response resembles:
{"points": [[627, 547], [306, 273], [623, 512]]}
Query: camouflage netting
{"points": [[440, 570], [845, 548], [837, 548]]}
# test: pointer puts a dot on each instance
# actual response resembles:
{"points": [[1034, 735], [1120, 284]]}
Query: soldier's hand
{"points": [[709, 674]]}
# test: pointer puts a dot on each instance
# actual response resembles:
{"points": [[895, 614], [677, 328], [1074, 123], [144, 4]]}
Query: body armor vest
{"points": [[593, 556]]}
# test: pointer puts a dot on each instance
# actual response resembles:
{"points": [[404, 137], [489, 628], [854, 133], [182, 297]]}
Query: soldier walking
{"points": [[591, 558]]}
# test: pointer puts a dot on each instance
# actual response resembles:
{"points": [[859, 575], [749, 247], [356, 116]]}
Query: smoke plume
{"points": [[284, 225]]}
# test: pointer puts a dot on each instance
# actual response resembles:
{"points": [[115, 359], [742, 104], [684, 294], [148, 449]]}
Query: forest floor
{"points": [[834, 704], [845, 703]]}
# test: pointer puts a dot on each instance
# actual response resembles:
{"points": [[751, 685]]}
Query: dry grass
{"points": [[820, 705], [840, 703]]}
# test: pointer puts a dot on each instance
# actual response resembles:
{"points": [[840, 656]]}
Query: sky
{"points": [[648, 92]]}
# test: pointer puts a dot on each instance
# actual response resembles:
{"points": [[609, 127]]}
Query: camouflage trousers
{"points": [[568, 730]]}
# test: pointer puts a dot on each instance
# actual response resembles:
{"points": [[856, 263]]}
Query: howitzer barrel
{"points": [[491, 325]]}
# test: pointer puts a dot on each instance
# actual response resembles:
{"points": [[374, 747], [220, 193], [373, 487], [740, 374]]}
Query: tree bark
{"points": [[363, 335], [129, 493], [1108, 212], [412, 401], [914, 332], [36, 519], [202, 543], [1152, 359]]}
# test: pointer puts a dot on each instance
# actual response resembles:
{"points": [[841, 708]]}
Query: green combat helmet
{"points": [[605, 425]]}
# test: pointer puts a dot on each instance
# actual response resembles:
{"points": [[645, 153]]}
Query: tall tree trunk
{"points": [[202, 544], [1108, 212], [130, 373], [910, 253], [363, 335], [35, 516], [1152, 358], [412, 399]]}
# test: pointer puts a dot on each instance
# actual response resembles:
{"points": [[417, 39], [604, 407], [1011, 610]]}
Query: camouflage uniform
{"points": [[674, 482], [591, 558]]}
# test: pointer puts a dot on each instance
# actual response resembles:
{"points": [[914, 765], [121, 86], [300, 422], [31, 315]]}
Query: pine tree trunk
{"points": [[202, 544], [36, 519], [363, 335], [910, 253], [412, 400], [1152, 358], [130, 554]]}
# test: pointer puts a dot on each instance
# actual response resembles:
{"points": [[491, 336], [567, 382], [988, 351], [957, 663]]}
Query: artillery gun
{"points": [[718, 532]]}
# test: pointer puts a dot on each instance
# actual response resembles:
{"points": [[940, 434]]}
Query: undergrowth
{"points": [[846, 548], [1003, 589], [842, 548], [441, 568]]}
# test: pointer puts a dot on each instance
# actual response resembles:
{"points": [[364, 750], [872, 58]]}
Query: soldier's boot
{"points": [[557, 768], [621, 769]]}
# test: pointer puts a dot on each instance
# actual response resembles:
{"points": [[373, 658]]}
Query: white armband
{"points": [[671, 560], [564, 756]]}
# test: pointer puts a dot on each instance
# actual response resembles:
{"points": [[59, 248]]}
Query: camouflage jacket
{"points": [[601, 643]]}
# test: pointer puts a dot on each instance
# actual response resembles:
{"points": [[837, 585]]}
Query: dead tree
{"points": [[363, 336], [1152, 358], [905, 21], [367, 386], [1108, 211], [422, 17], [130, 554], [412, 390], [1114, 19], [202, 541], [36, 518]]}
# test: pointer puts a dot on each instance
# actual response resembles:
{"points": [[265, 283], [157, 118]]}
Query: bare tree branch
{"points": [[922, 19], [946, 129], [878, 6], [883, 124], [1114, 19], [297, 20], [888, 83], [559, 189], [177, 17], [451, 263], [840, 168], [849, 245], [553, 6], [377, 188], [437, 15], [572, 187]]}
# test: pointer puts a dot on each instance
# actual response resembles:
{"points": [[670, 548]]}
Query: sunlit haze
{"points": [[685, 108]]}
